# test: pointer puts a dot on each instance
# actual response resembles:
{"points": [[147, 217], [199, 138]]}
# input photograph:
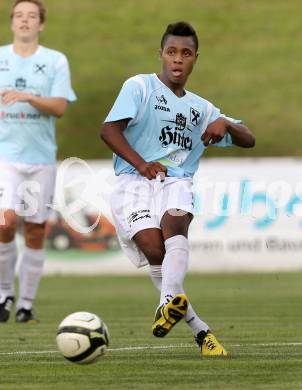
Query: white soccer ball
{"points": [[82, 337]]}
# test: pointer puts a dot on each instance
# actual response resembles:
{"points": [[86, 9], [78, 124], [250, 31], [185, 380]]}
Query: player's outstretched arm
{"points": [[112, 135], [241, 135], [55, 106]]}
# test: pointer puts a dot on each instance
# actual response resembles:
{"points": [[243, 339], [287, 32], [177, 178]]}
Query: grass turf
{"points": [[257, 316]]}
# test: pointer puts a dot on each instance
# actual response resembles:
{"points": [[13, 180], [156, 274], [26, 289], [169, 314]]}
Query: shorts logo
{"points": [[137, 215]]}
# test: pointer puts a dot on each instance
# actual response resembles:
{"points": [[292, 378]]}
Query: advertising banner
{"points": [[248, 217]]}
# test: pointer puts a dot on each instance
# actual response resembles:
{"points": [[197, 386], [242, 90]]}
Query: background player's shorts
{"points": [[27, 189], [138, 203]]}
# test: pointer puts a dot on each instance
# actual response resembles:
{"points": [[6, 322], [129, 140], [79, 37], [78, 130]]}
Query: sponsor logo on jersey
{"points": [[180, 121], [162, 108], [168, 136], [19, 115], [162, 100], [20, 84], [194, 116], [39, 68], [4, 66], [175, 135]]}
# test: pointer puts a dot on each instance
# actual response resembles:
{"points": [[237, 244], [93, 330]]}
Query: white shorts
{"points": [[138, 203], [27, 189]]}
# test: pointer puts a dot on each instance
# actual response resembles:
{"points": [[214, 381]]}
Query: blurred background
{"points": [[249, 66], [249, 63]]}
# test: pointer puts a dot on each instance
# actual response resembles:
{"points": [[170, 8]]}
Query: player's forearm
{"points": [[49, 105], [241, 135], [117, 142]]}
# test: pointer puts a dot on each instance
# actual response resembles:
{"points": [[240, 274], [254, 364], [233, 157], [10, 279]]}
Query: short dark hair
{"points": [[181, 29], [38, 3]]}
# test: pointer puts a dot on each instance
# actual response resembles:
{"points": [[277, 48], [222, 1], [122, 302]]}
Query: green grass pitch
{"points": [[258, 318]]}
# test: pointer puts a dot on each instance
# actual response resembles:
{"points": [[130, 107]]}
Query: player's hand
{"points": [[151, 170], [215, 132], [9, 97]]}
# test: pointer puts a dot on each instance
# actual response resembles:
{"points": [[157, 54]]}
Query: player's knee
{"points": [[34, 235], [8, 226], [176, 222], [7, 233]]}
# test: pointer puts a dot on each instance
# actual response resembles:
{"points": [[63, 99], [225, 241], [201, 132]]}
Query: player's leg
{"points": [[131, 202], [191, 318], [31, 268], [42, 182], [150, 242], [204, 338], [10, 180], [175, 225], [173, 302], [8, 259]]}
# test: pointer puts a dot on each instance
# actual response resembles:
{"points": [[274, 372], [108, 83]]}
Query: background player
{"points": [[156, 128], [34, 89]]}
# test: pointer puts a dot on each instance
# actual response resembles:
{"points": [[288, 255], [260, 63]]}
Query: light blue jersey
{"points": [[27, 135], [163, 126]]}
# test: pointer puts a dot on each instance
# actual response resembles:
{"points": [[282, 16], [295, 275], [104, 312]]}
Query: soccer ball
{"points": [[82, 337]]}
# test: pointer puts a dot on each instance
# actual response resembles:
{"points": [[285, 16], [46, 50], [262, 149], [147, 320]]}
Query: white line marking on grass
{"points": [[265, 345], [150, 347], [27, 353], [146, 347]]}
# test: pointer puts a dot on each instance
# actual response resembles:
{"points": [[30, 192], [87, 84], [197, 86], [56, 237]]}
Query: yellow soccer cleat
{"points": [[168, 315], [209, 345]]}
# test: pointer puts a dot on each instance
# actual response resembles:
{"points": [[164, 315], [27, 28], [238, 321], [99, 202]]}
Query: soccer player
{"points": [[35, 89], [158, 130]]}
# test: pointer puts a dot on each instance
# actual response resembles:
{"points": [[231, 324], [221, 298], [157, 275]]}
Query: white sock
{"points": [[174, 267], [31, 268], [8, 259], [191, 318], [155, 275]]}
